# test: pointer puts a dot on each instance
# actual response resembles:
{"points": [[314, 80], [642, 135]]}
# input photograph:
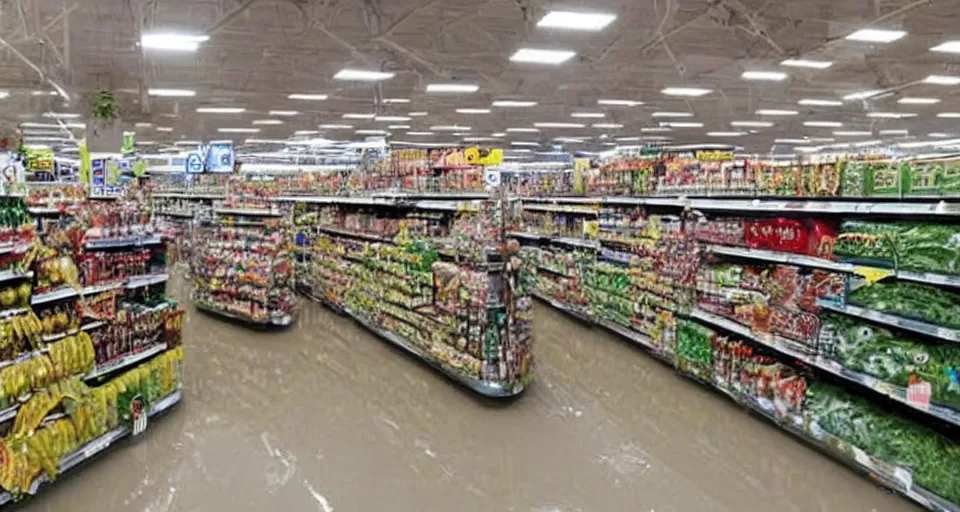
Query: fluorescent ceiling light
{"points": [[450, 128], [164, 129], [865, 143], [522, 130], [267, 122], [820, 139], [238, 130], [942, 80], [656, 137], [396, 100], [399, 127], [44, 93], [477, 139], [939, 135], [890, 115], [172, 93], [820, 103], [790, 141], [391, 119], [175, 42], [894, 132], [358, 116], [528, 144], [610, 126], [60, 115], [143, 125], [187, 143], [654, 129], [685, 91], [308, 97], [498, 134], [558, 125], [4, 94], [588, 115], [682, 125], [671, 114], [417, 114], [37, 146], [918, 101], [805, 63], [420, 133], [571, 140], [947, 47], [542, 56], [361, 75], [336, 126], [872, 35], [949, 115], [776, 112], [284, 113], [775, 76], [725, 134], [628, 139], [473, 110], [514, 104], [620, 103], [453, 88], [221, 110], [862, 95], [306, 132], [370, 132], [824, 124], [752, 124], [852, 133], [576, 20]]}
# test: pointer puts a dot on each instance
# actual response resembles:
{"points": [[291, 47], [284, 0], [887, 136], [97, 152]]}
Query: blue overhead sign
{"points": [[220, 158], [194, 163]]}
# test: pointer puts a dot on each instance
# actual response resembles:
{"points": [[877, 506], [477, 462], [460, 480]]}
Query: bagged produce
{"points": [[923, 302]]}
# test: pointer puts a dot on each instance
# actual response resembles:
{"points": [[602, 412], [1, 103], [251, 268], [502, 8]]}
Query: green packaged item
{"points": [[694, 349], [926, 179], [933, 460], [872, 350], [923, 302], [928, 247], [866, 242]]}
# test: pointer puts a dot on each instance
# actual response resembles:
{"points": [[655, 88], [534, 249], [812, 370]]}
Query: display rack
{"points": [[430, 274], [93, 347], [241, 264], [822, 314]]}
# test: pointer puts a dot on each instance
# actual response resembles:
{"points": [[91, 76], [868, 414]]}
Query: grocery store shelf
{"points": [[10, 275], [354, 234], [936, 331], [9, 413], [886, 389], [490, 389], [184, 215], [135, 241], [11, 312], [148, 280], [126, 361], [96, 446], [559, 209], [206, 197], [929, 278], [592, 245], [673, 202], [581, 315], [281, 321], [17, 247], [249, 212], [781, 257]]}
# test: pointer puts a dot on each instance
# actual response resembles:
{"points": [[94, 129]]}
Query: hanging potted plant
{"points": [[103, 132]]}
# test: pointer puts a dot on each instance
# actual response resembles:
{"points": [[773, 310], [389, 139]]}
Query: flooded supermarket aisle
{"points": [[324, 416]]}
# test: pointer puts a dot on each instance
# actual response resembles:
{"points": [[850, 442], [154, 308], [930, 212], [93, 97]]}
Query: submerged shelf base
{"points": [[280, 321]]}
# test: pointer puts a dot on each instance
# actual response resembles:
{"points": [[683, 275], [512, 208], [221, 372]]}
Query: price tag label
{"points": [[918, 395]]}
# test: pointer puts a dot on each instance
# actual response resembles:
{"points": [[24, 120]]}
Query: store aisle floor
{"points": [[326, 417]]}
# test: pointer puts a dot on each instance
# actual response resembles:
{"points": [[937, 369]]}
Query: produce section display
{"points": [[836, 320], [434, 277], [241, 263], [89, 344]]}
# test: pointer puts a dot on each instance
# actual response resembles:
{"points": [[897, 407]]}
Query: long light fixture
{"points": [[918, 101], [862, 95], [775, 76], [165, 129], [619, 103], [576, 20], [473, 110], [421, 134], [671, 114], [558, 125], [823, 124], [820, 103], [362, 76], [453, 88], [399, 127], [391, 119], [776, 112], [806, 63], [655, 129], [682, 125], [61, 115], [872, 35], [284, 113], [522, 143], [894, 132], [947, 47], [523, 130], [417, 114], [725, 134], [174, 42], [396, 101], [266, 122], [891, 115], [608, 126], [685, 91], [514, 104], [358, 116], [306, 132], [370, 132], [589, 115], [852, 133], [172, 93], [751, 124], [949, 115], [535, 56], [238, 130], [450, 128], [221, 110], [336, 126], [307, 96], [790, 141], [143, 125], [942, 80]]}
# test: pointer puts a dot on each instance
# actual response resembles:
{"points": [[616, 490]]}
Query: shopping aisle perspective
{"points": [[325, 416]]}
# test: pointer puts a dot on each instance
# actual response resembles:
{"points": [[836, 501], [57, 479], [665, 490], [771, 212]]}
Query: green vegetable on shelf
{"points": [[922, 302]]}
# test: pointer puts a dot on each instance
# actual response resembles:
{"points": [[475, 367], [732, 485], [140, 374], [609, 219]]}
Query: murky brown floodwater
{"points": [[326, 417]]}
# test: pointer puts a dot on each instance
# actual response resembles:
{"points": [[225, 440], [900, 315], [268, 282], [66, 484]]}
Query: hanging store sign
{"points": [[220, 158]]}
